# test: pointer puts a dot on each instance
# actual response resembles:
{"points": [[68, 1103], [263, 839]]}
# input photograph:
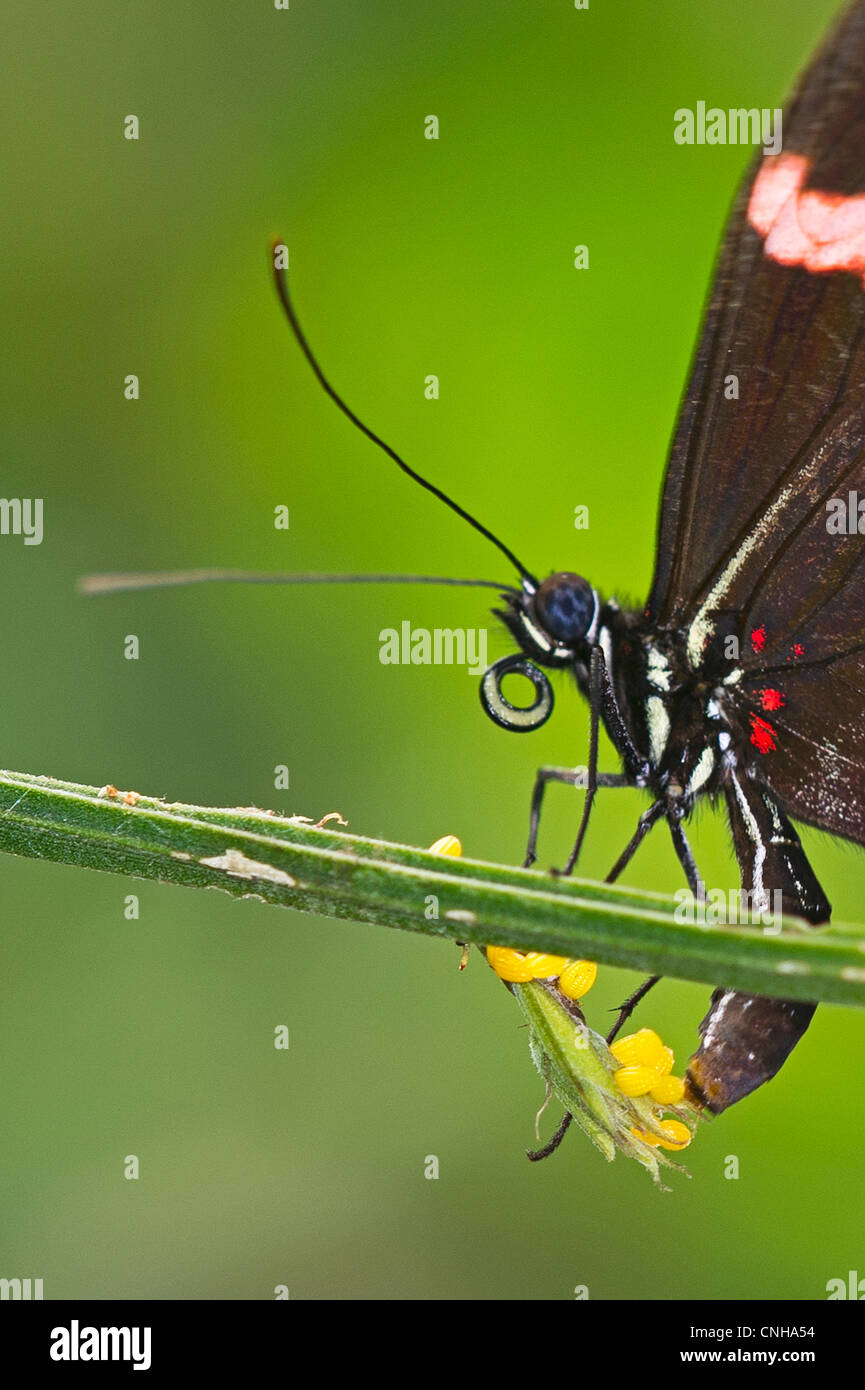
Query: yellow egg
{"points": [[448, 844], [664, 1063], [543, 966], [668, 1090], [635, 1081], [678, 1135], [577, 978], [651, 1139], [638, 1049], [509, 965]]}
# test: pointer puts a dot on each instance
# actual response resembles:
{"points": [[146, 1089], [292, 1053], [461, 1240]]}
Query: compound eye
{"points": [[565, 607]]}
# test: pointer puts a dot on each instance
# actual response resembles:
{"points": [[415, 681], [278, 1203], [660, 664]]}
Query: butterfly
{"points": [[742, 678]]}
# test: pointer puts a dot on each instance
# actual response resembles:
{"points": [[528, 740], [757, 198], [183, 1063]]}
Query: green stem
{"points": [[248, 852]]}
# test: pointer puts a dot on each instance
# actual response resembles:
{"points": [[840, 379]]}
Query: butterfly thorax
{"points": [[675, 715]]}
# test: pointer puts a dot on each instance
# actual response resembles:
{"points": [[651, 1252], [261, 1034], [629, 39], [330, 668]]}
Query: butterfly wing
{"points": [[754, 543], [751, 520], [783, 330], [751, 523]]}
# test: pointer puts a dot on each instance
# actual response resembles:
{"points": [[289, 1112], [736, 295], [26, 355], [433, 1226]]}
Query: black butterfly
{"points": [[743, 678]]}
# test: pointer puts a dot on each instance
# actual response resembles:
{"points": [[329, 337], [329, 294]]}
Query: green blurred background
{"points": [[558, 387]]}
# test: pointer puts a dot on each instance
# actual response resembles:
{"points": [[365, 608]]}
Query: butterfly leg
{"points": [[683, 850], [644, 825], [535, 1155], [626, 1009], [573, 777], [603, 696], [596, 668], [686, 859]]}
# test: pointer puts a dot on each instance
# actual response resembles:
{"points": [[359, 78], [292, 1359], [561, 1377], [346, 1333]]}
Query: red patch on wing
{"points": [[758, 638], [771, 699], [762, 734], [819, 231]]}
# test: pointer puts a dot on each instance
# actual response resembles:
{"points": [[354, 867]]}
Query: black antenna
{"points": [[282, 290], [164, 579]]}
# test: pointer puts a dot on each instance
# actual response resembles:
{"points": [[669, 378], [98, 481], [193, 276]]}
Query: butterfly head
{"points": [[554, 623]]}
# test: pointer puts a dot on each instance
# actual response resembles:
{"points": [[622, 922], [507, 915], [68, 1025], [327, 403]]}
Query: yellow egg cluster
{"points": [[645, 1064], [645, 1070], [575, 977]]}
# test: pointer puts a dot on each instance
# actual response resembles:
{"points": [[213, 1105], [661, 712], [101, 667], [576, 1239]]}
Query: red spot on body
{"points": [[819, 231], [771, 699], [797, 649], [762, 734], [758, 638]]}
